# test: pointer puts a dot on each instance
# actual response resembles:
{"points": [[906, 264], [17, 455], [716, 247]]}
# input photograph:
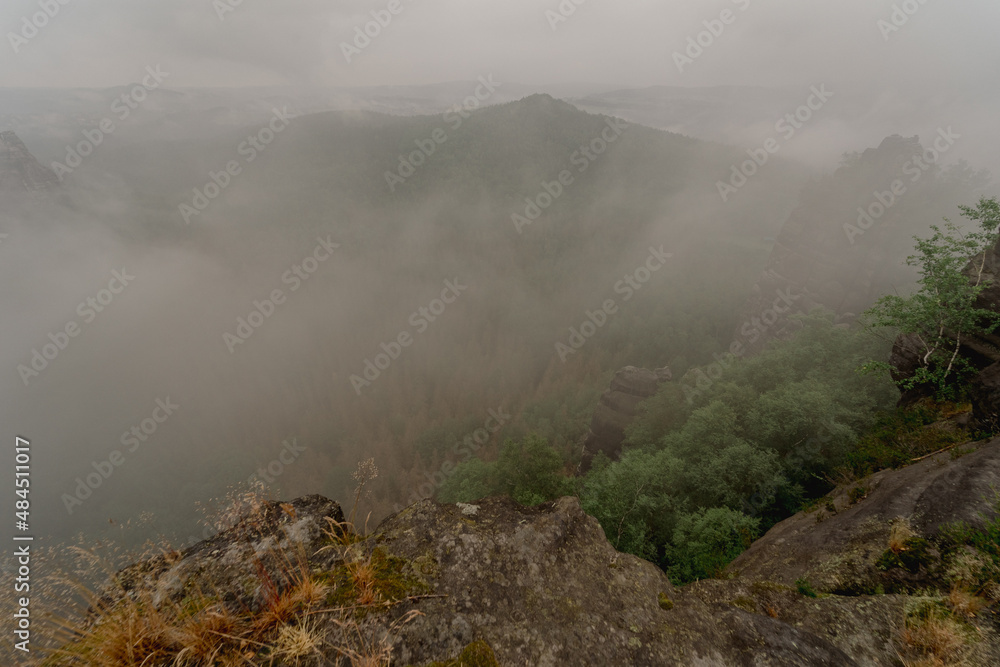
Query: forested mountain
{"points": [[455, 219], [410, 203]]}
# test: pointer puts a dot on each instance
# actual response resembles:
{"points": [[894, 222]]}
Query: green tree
{"points": [[531, 472], [634, 499], [527, 470], [706, 541], [472, 480], [943, 312]]}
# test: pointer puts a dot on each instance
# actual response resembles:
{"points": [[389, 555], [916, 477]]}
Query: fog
{"points": [[255, 232]]}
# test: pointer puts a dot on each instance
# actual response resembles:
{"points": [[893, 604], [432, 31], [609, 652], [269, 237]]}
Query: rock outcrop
{"points": [[984, 391], [875, 553], [835, 545], [524, 586], [496, 583], [618, 407], [19, 170]]}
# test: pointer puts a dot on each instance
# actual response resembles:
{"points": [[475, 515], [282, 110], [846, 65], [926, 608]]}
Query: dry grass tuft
{"points": [[286, 622], [899, 535], [966, 603], [934, 637], [295, 643]]}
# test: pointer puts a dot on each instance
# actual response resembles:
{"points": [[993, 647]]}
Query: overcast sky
{"points": [[99, 43]]}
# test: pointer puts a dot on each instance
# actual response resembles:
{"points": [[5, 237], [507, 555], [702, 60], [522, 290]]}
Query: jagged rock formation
{"points": [[618, 407], [19, 170], [829, 255], [537, 586]]}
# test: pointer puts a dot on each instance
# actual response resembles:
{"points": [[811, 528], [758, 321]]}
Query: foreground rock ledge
{"points": [[541, 586]]}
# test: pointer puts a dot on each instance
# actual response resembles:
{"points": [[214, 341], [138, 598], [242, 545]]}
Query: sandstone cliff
{"points": [[617, 408]]}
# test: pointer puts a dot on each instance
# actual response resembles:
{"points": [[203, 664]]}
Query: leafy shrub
{"points": [[913, 554], [897, 437], [634, 499], [528, 470], [706, 541]]}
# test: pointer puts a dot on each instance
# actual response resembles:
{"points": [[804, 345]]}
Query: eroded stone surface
{"points": [[541, 586], [837, 551]]}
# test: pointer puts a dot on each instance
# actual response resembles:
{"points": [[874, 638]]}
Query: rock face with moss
{"points": [[884, 555], [542, 586], [875, 565], [836, 544], [491, 583]]}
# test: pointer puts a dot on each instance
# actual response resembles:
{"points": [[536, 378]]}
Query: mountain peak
{"points": [[20, 171]]}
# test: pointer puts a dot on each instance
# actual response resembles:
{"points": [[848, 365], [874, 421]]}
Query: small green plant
{"points": [[911, 556], [476, 654], [857, 494], [959, 452], [803, 586]]}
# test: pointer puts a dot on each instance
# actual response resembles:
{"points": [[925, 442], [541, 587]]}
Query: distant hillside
{"points": [[846, 242], [454, 218], [19, 170]]}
